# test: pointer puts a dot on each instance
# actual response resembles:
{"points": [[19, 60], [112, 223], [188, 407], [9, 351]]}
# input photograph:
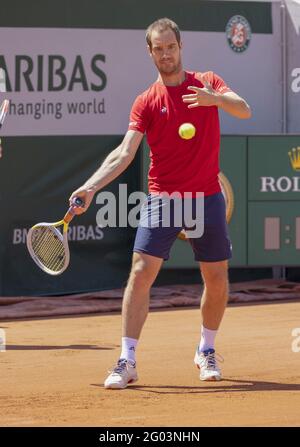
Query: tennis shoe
{"points": [[123, 374], [206, 361]]}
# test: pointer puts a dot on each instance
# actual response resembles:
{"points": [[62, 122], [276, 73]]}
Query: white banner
{"points": [[84, 81]]}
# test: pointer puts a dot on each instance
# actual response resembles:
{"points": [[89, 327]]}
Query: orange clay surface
{"points": [[52, 371]]}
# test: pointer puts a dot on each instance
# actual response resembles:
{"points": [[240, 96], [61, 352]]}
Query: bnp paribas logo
{"points": [[294, 156], [284, 183]]}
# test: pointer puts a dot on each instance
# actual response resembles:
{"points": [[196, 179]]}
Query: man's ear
{"points": [[149, 50]]}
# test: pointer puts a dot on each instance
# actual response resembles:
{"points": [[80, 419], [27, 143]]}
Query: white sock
{"points": [[128, 348], [207, 340]]}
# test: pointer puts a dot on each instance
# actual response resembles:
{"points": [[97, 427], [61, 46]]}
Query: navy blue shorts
{"points": [[155, 237]]}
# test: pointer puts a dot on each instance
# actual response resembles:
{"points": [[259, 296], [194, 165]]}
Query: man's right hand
{"points": [[86, 194]]}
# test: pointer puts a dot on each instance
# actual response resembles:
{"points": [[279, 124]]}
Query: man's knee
{"points": [[144, 270], [215, 274]]}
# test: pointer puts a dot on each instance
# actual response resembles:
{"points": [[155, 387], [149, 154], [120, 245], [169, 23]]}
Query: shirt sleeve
{"points": [[138, 119], [217, 83]]}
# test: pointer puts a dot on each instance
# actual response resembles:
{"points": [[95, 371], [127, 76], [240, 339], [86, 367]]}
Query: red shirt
{"points": [[178, 164]]}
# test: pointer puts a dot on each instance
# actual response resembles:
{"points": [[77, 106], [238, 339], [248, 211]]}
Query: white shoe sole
{"points": [[213, 378], [118, 386]]}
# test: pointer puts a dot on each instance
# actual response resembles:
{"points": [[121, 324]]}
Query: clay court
{"points": [[52, 371]]}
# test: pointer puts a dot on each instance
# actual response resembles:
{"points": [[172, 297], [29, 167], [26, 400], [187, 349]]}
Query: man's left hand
{"points": [[205, 96]]}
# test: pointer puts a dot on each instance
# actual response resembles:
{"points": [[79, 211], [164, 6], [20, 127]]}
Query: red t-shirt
{"points": [[178, 164]]}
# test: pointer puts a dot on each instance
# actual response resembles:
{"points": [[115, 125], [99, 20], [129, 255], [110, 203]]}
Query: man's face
{"points": [[165, 52]]}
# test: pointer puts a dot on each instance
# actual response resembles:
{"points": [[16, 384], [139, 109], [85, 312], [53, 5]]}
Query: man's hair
{"points": [[162, 25]]}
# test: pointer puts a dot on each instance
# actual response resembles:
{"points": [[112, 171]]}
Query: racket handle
{"points": [[77, 201]]}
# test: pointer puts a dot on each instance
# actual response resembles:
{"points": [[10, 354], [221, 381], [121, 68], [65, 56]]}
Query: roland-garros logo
{"points": [[284, 183], [238, 33]]}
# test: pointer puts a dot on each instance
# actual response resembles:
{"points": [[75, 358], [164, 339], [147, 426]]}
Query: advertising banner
{"points": [[82, 80]]}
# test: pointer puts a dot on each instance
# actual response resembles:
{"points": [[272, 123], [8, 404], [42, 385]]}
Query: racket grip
{"points": [[77, 201]]}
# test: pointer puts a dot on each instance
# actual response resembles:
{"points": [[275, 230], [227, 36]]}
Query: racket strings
{"points": [[48, 248]]}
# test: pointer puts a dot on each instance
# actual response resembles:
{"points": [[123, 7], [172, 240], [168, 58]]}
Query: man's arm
{"points": [[233, 104], [230, 102], [114, 164]]}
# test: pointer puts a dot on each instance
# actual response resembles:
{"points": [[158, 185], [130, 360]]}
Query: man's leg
{"points": [[135, 309], [213, 304], [144, 270], [215, 294]]}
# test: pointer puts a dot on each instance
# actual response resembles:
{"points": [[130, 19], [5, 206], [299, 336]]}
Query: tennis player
{"points": [[176, 97]]}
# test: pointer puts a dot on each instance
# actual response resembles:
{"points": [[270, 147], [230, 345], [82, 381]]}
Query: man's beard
{"points": [[169, 70]]}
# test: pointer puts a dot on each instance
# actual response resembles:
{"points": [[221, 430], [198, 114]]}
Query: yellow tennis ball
{"points": [[187, 131]]}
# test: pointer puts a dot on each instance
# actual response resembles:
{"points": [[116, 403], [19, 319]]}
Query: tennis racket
{"points": [[3, 111], [48, 246]]}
